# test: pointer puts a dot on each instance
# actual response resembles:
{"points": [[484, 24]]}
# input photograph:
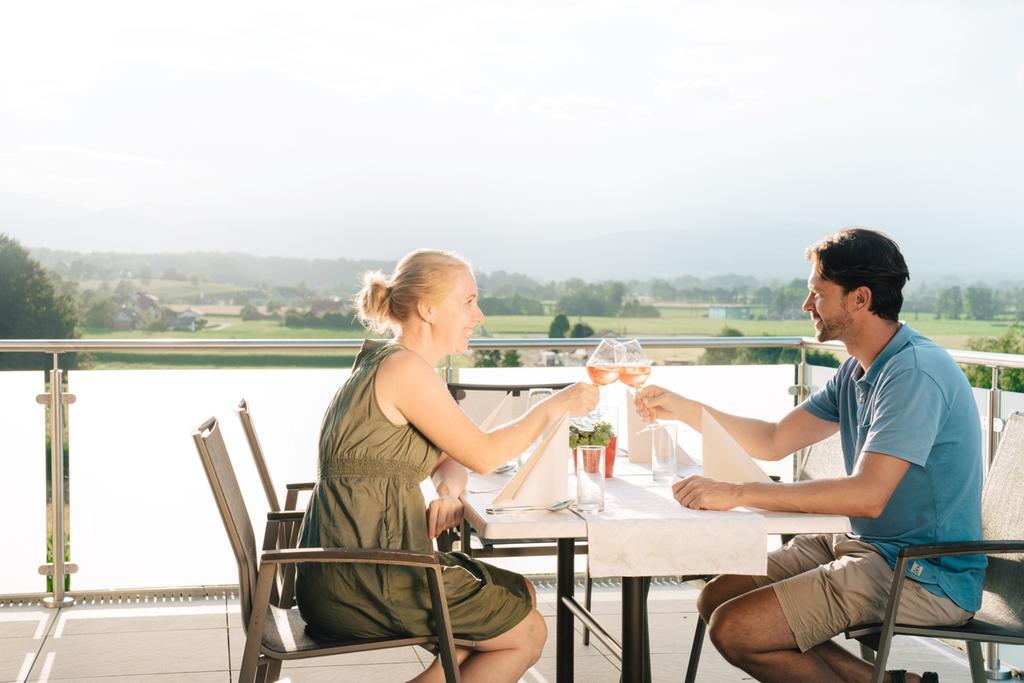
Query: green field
{"points": [[168, 290], [673, 322]]}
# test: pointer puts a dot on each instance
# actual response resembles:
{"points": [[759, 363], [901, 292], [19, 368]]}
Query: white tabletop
{"points": [[643, 531]]}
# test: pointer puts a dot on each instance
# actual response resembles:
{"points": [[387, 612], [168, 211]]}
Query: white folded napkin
{"points": [[544, 477], [724, 459]]}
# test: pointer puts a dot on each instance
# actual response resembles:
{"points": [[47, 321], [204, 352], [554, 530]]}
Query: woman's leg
{"points": [[503, 658]]}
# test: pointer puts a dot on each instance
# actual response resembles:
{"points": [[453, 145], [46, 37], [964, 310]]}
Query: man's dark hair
{"points": [[858, 257]]}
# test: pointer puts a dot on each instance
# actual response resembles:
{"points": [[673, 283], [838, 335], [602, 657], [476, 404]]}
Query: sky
{"points": [[551, 138]]}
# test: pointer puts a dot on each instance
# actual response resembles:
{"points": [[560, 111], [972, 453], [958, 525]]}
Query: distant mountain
{"points": [[703, 246]]}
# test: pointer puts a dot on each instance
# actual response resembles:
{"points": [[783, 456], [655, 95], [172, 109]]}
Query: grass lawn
{"points": [[673, 322]]}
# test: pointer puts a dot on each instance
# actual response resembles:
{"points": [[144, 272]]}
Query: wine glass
{"points": [[634, 370], [603, 364]]}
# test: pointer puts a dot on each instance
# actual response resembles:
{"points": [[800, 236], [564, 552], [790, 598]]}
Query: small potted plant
{"points": [[587, 432]]}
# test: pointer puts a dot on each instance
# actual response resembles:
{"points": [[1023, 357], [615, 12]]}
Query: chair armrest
{"points": [[961, 548], [350, 556], [301, 486], [285, 516]]}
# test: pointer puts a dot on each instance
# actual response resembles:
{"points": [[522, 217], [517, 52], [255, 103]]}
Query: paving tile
{"points": [[595, 649], [201, 677], [589, 669], [17, 656], [364, 673], [396, 655], [25, 622], [126, 654], [122, 618]]}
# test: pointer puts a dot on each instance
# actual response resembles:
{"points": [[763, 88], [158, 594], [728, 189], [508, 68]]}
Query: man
{"points": [[911, 442]]}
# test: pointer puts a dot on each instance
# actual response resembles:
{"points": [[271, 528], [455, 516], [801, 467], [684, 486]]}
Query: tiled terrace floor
{"points": [[201, 640]]}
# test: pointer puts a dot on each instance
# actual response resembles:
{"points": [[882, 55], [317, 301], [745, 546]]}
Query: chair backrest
{"points": [[228, 496], [257, 455], [478, 400], [1003, 520], [823, 460]]}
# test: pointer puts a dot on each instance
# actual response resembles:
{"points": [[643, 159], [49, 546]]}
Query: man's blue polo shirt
{"points": [[914, 403]]}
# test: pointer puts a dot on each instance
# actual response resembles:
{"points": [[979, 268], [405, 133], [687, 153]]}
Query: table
{"points": [[635, 494]]}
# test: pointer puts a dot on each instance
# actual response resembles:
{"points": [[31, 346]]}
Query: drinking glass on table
{"points": [[533, 397]]}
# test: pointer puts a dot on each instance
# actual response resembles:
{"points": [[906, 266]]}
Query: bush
{"points": [[559, 327], [1011, 341], [768, 355], [581, 330]]}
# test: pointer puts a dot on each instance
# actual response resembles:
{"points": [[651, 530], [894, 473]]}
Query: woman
{"points": [[389, 426]]}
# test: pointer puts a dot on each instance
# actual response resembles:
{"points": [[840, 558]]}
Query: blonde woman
{"points": [[389, 426]]}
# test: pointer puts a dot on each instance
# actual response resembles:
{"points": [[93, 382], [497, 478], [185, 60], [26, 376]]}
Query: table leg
{"points": [[647, 631], [565, 620], [633, 665]]}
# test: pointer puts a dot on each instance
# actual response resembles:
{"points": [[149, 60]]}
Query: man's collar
{"points": [[898, 341]]}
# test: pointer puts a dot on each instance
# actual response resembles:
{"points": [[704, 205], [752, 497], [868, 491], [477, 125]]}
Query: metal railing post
{"points": [[449, 371], [57, 569], [994, 670]]}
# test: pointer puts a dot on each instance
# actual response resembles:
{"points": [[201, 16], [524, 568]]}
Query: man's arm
{"points": [[763, 440], [864, 493]]}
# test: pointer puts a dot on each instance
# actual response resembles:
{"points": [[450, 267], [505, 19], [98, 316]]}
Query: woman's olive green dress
{"points": [[368, 495]]}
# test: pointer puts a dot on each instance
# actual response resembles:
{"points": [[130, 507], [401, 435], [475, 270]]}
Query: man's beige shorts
{"points": [[829, 582]]}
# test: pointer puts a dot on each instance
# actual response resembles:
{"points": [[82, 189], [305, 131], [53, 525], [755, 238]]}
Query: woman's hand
{"points": [[577, 399], [443, 513], [655, 403], [701, 493]]}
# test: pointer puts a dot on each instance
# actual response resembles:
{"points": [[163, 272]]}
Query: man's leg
{"points": [[752, 633]]}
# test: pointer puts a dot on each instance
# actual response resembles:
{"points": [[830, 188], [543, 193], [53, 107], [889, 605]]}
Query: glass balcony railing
{"points": [[138, 512]]}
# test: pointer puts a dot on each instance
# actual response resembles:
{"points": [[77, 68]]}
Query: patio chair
{"points": [[289, 532], [477, 400], [1001, 617], [274, 634], [292, 490]]}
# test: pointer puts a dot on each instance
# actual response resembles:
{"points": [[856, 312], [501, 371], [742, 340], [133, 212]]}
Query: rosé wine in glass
{"points": [[634, 375], [603, 374]]}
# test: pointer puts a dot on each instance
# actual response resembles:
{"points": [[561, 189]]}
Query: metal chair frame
{"points": [[275, 634]]}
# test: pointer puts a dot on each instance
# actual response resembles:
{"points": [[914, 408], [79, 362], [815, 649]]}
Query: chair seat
{"points": [[977, 628], [286, 637]]}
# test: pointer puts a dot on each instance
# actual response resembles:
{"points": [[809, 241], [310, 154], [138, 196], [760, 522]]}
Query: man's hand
{"points": [[701, 493], [443, 513], [656, 403]]}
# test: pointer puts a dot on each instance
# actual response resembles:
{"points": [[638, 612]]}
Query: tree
{"points": [[721, 356], [950, 304], [101, 314], [559, 327], [979, 303], [580, 330], [31, 307]]}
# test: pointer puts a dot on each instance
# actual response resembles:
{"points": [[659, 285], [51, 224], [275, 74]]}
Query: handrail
{"points": [[966, 356], [178, 344]]}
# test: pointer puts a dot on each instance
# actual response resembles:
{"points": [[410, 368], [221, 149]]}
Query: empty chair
{"points": [[274, 634], [292, 490]]}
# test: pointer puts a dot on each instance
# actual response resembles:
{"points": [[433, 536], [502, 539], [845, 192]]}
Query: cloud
{"points": [[590, 109]]}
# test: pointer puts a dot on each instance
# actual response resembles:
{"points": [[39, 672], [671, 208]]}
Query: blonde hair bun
{"points": [[383, 303]]}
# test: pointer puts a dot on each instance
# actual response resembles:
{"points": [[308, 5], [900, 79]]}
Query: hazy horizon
{"points": [[554, 139]]}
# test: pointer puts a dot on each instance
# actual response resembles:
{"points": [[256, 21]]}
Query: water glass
{"points": [[664, 461], [590, 478]]}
